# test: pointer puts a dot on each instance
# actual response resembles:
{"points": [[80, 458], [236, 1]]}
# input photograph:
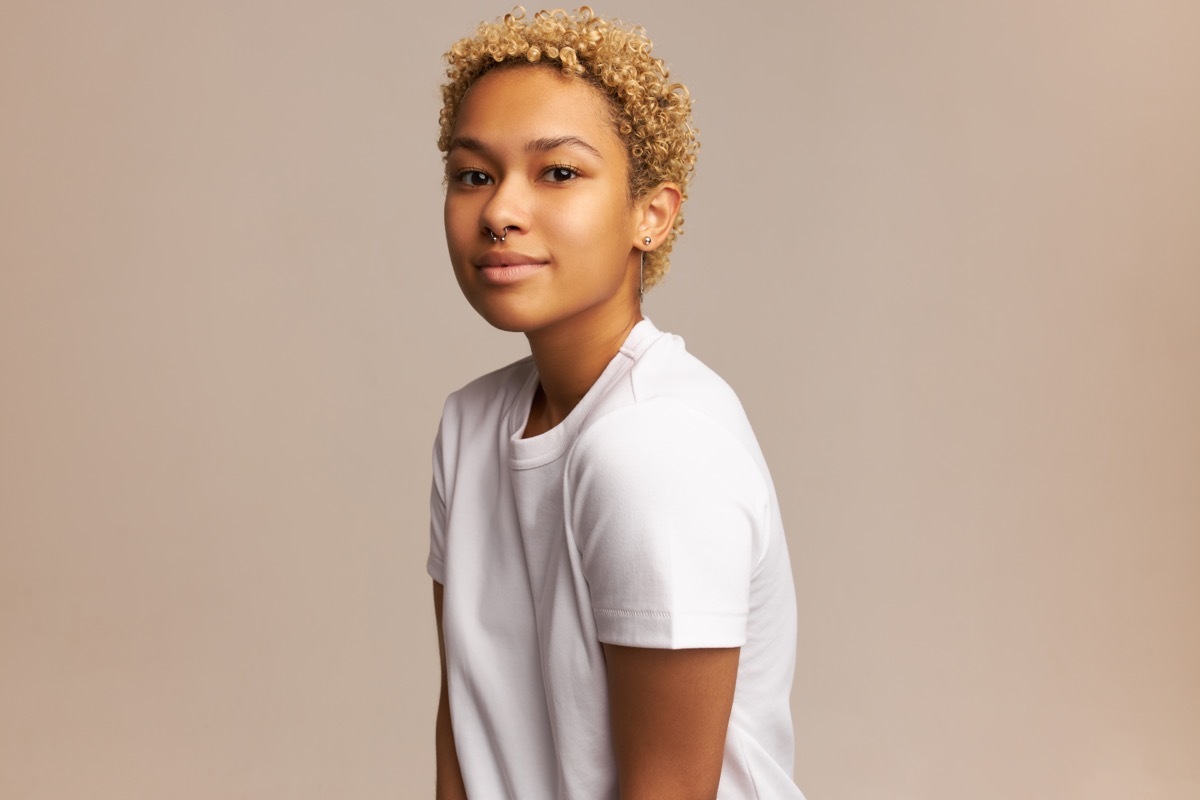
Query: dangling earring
{"points": [[642, 277], [642, 271]]}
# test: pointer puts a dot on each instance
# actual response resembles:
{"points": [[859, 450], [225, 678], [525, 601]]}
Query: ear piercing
{"points": [[642, 270], [496, 238]]}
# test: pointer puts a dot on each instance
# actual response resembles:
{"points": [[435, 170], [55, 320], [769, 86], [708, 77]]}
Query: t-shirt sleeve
{"points": [[667, 509], [436, 565]]}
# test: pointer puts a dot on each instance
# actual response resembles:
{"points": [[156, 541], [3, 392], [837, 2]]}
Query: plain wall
{"points": [[947, 253]]}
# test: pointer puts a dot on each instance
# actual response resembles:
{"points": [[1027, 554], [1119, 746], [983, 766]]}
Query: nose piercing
{"points": [[496, 238]]}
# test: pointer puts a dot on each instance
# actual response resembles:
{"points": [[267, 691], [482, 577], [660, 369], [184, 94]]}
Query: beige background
{"points": [[947, 253]]}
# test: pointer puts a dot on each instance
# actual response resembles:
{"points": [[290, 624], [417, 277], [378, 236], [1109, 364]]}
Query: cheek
{"points": [[566, 222], [598, 220], [459, 225]]}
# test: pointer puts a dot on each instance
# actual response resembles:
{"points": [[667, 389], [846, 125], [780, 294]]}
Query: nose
{"points": [[506, 210]]}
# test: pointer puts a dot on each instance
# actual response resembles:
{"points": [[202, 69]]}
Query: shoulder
{"points": [[668, 371], [672, 406], [666, 446], [673, 444]]}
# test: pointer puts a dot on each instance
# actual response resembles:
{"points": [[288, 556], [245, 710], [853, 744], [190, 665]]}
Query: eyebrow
{"points": [[542, 145]]}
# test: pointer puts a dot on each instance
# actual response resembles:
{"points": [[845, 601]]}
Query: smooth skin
{"points": [[449, 776], [535, 154], [535, 158]]}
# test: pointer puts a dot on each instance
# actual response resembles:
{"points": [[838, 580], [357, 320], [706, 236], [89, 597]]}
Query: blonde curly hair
{"points": [[652, 115]]}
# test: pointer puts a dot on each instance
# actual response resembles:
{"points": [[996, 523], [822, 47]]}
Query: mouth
{"points": [[506, 258], [505, 267]]}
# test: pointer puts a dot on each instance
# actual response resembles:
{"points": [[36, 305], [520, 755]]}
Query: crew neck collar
{"points": [[546, 447]]}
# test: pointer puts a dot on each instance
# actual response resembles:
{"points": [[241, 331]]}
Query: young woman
{"points": [[613, 594]]}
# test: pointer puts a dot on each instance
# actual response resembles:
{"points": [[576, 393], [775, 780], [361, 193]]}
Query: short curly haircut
{"points": [[652, 115]]}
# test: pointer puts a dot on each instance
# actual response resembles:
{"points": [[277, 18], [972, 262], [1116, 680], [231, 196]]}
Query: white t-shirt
{"points": [[646, 518]]}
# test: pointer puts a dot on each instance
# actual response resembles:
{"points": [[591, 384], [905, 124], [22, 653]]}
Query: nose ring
{"points": [[496, 238]]}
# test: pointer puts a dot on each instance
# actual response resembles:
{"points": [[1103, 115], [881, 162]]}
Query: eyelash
{"points": [[567, 167], [462, 175]]}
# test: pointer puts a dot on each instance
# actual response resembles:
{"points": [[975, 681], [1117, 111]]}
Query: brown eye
{"points": [[561, 174], [474, 177]]}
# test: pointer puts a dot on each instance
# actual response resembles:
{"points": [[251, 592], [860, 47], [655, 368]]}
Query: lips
{"points": [[501, 268], [506, 258]]}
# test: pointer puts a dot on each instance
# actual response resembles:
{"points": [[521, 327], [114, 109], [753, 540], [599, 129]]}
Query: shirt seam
{"points": [[626, 612]]}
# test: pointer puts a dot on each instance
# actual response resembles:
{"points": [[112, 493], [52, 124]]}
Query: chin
{"points": [[510, 326], [507, 318]]}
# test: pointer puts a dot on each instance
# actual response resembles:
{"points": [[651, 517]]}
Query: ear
{"points": [[658, 208]]}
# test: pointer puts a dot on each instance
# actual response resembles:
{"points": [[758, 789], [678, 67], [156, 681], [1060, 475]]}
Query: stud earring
{"points": [[646, 241]]}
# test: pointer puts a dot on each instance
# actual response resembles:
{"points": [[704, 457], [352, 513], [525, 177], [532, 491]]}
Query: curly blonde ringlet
{"points": [[652, 116]]}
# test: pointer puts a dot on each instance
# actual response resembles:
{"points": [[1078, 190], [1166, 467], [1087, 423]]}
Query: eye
{"points": [[561, 174], [473, 177]]}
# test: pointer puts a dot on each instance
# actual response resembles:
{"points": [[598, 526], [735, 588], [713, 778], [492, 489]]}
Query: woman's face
{"points": [[535, 158]]}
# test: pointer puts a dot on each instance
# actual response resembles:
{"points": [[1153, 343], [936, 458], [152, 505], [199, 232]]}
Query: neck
{"points": [[569, 362]]}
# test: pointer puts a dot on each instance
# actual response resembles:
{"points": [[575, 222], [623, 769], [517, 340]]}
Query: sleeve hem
{"points": [[666, 631], [436, 570]]}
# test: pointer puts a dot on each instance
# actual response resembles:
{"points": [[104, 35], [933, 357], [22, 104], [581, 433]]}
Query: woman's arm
{"points": [[449, 776], [670, 710]]}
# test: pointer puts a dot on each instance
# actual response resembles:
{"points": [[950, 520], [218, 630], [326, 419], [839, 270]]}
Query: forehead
{"points": [[529, 101]]}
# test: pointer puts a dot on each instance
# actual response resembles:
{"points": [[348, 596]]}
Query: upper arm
{"points": [[670, 711], [667, 510], [449, 774], [438, 592]]}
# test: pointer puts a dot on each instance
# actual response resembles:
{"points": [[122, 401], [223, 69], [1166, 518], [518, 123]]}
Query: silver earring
{"points": [[496, 238], [642, 271]]}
